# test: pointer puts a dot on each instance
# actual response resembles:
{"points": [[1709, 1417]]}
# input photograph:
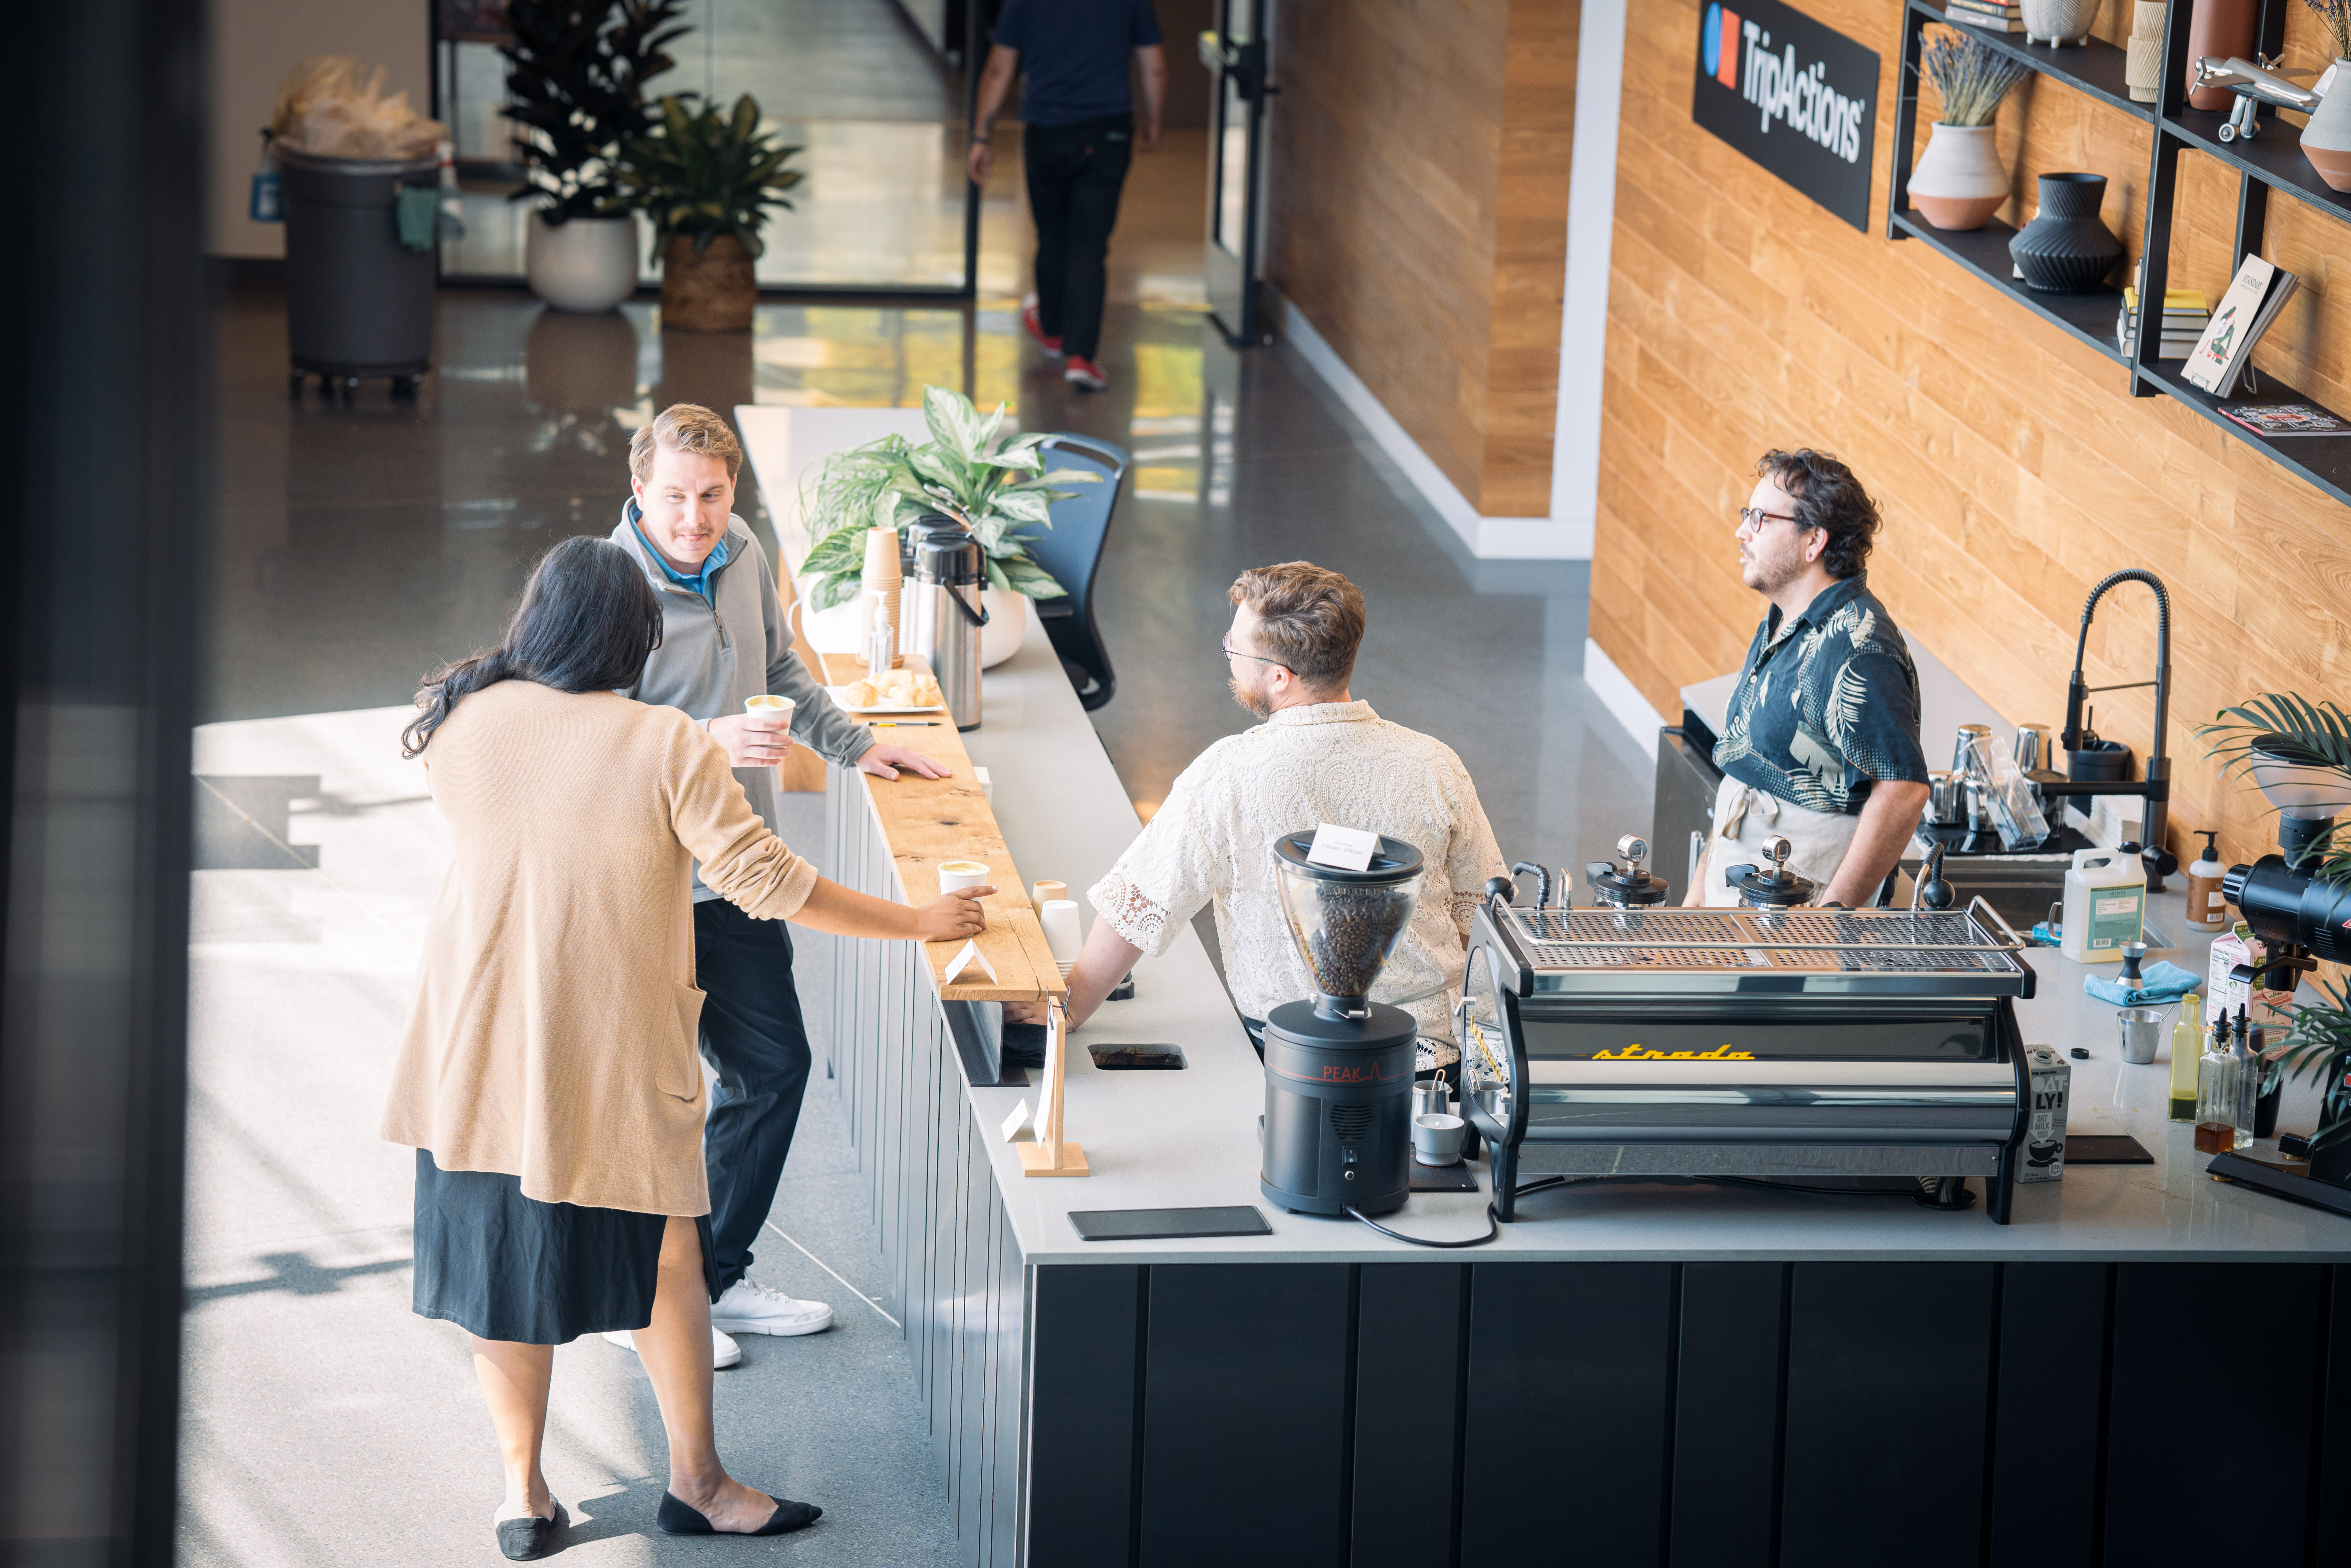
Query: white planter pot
{"points": [[1959, 180], [1007, 623], [586, 265], [2051, 20], [2326, 139]]}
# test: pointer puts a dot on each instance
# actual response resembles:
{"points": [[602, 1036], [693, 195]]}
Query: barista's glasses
{"points": [[1232, 652]]}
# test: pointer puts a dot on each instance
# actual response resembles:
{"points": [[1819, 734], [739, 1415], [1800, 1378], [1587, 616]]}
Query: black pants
{"points": [[755, 1040], [1074, 175]]}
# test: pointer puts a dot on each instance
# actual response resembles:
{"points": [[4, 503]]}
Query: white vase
{"points": [[1959, 180], [585, 265], [1007, 623], [2051, 20], [2326, 139]]}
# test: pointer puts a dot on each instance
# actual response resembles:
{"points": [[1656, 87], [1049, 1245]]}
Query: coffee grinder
{"points": [[1338, 1069]]}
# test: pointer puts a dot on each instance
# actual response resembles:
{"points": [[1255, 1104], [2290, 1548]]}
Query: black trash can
{"points": [[359, 303]]}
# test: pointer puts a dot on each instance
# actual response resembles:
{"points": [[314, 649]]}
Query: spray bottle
{"points": [[2208, 910]]}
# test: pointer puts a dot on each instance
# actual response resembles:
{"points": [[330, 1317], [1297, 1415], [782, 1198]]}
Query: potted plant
{"points": [[1961, 182], [575, 75], [706, 181], [972, 469], [2276, 727]]}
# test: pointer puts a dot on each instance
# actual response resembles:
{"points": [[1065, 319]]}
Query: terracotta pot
{"points": [[713, 292], [2220, 27], [1959, 182], [2067, 250], [2326, 139]]}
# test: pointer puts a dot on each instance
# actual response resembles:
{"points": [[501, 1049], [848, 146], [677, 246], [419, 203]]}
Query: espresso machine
{"points": [[1338, 1067]]}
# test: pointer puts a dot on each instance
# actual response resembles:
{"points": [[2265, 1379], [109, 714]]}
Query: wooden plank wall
{"points": [[2013, 470], [1417, 182]]}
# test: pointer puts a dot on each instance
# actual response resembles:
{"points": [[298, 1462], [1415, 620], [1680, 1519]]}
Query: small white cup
{"points": [[768, 703], [1064, 934], [956, 875], [1042, 892]]}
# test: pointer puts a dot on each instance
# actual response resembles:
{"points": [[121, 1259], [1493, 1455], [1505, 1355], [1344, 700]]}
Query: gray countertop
{"points": [[1185, 1139]]}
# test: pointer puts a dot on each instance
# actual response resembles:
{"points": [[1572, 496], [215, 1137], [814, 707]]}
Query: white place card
{"points": [[1015, 1122], [1346, 849], [971, 954]]}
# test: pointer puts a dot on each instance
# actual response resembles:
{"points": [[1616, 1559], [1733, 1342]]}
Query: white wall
{"points": [[253, 44], [1584, 315]]}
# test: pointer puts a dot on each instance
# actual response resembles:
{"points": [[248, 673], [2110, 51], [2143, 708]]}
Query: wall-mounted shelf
{"points": [[2273, 160]]}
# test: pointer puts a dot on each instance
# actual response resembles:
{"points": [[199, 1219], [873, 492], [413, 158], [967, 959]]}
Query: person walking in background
{"points": [[1076, 114], [724, 640], [546, 1077]]}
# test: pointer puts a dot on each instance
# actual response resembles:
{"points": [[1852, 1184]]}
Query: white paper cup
{"points": [[956, 875], [1043, 893], [767, 702], [1064, 934]]}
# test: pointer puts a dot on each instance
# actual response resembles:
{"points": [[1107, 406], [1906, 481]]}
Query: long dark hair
{"points": [[588, 622]]}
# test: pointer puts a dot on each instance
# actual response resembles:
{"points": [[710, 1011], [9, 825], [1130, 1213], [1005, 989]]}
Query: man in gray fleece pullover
{"points": [[724, 640]]}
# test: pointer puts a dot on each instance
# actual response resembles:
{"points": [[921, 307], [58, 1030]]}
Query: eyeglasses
{"points": [[1231, 653], [1755, 517]]}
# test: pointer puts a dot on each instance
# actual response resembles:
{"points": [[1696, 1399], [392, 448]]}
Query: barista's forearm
{"points": [[1107, 958], [1888, 818]]}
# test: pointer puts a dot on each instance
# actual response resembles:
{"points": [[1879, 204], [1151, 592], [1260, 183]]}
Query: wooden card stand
{"points": [[1052, 1155]]}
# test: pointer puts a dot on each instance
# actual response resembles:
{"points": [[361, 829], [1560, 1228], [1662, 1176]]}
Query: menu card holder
{"points": [[1052, 1155]]}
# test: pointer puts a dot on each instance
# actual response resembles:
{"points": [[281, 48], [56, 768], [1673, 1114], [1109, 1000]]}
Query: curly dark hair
{"points": [[1830, 498]]}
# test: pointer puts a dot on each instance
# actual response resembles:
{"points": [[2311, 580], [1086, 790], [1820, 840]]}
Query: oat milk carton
{"points": [[2050, 1081]]}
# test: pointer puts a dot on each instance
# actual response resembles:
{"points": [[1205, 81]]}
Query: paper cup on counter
{"points": [[1043, 893], [1063, 935], [956, 875]]}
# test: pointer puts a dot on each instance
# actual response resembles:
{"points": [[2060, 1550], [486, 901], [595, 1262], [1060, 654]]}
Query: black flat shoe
{"points": [[675, 1519], [524, 1538]]}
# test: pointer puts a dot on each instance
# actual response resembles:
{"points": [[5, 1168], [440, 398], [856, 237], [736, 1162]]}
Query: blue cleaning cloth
{"points": [[2163, 981], [2041, 936]]}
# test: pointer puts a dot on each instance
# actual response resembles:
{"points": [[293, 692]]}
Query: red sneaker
{"points": [[1028, 318], [1081, 372]]}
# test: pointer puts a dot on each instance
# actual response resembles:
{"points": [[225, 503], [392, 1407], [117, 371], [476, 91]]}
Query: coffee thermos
{"points": [[943, 614]]}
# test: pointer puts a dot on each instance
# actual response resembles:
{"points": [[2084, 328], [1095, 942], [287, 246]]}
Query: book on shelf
{"points": [[2255, 298], [1987, 22], [2276, 419]]}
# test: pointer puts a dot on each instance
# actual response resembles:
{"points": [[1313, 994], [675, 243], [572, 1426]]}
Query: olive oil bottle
{"points": [[2219, 1080], [2186, 1047]]}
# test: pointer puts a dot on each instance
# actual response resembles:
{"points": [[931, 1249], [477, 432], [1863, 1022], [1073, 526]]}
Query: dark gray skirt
{"points": [[504, 1266]]}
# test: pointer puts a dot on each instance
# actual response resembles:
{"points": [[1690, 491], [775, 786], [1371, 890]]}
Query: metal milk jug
{"points": [[943, 616]]}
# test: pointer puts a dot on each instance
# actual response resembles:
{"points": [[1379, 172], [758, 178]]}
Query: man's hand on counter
{"points": [[951, 916], [753, 739], [885, 758]]}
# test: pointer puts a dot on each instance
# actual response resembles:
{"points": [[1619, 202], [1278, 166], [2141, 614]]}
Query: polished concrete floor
{"points": [[358, 546]]}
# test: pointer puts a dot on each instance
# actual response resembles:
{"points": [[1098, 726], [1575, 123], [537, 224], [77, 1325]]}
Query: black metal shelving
{"points": [[2273, 162]]}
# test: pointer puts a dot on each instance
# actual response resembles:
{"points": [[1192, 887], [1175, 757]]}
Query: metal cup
{"points": [[1978, 804], [1431, 1099], [2031, 739], [1963, 759], [1943, 806], [2142, 1030]]}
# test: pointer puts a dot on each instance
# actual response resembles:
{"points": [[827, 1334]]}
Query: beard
{"points": [[1252, 698], [1770, 574]]}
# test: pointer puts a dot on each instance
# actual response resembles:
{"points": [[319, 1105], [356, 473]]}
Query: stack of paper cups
{"points": [[1062, 933], [1043, 893], [2143, 60], [882, 577]]}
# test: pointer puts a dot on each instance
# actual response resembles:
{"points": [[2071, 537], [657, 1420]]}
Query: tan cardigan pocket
{"points": [[677, 1061]]}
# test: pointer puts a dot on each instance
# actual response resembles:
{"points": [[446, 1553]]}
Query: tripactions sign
{"points": [[1795, 97]]}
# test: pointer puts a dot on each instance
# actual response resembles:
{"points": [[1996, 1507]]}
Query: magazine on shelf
{"points": [[2279, 419], [2255, 298]]}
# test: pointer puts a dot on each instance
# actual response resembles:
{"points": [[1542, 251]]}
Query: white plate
{"points": [[839, 695]]}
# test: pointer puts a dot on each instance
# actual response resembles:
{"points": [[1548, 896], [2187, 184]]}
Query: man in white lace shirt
{"points": [[1320, 757]]}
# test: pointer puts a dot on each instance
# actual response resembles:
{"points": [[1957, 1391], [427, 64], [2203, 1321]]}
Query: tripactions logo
{"points": [[1738, 54]]}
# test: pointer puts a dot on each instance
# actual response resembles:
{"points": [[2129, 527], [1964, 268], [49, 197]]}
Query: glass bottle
{"points": [[2187, 1050], [2248, 1080], [2218, 1077]]}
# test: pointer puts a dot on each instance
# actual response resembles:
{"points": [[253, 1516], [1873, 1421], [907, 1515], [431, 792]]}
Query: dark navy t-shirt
{"points": [[1075, 53]]}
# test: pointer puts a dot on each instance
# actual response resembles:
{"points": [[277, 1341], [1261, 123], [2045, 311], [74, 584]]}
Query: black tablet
{"points": [[1136, 1058], [2106, 1149], [1166, 1224]]}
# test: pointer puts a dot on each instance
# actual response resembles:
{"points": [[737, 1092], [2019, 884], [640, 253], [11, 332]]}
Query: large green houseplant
{"points": [[2291, 728], [993, 482], [706, 179]]}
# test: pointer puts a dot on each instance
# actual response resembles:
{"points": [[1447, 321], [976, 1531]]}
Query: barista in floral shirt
{"points": [[1821, 746]]}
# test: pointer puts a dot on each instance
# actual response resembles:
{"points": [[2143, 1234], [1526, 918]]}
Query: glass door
{"points": [[1238, 55]]}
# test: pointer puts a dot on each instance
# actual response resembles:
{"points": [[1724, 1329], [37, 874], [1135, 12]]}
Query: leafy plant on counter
{"points": [[994, 483], [2318, 1043], [2290, 728], [575, 75], [1969, 76], [704, 174]]}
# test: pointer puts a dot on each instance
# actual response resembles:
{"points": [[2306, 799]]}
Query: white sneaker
{"points": [[746, 1308], [724, 1351]]}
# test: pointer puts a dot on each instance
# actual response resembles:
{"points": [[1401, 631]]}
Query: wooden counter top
{"points": [[929, 821]]}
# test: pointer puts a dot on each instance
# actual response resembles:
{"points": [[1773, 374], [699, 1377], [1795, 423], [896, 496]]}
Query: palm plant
{"points": [[995, 484], [576, 74], [701, 175]]}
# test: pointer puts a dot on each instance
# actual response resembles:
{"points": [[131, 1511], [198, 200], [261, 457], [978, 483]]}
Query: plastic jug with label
{"points": [[2106, 905]]}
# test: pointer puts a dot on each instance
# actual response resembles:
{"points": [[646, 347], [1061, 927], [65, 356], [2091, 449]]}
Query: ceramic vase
{"points": [[2051, 21], [1007, 624], [2221, 28], [2143, 58], [2326, 139], [1959, 182], [586, 265], [2065, 249]]}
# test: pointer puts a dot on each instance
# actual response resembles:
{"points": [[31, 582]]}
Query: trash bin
{"points": [[359, 301]]}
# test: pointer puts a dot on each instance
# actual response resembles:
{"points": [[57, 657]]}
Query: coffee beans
{"points": [[1357, 928]]}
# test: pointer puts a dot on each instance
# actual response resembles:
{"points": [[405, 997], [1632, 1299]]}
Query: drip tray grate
{"points": [[1805, 940]]}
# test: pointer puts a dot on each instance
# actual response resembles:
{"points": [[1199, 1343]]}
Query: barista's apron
{"points": [[1745, 817]]}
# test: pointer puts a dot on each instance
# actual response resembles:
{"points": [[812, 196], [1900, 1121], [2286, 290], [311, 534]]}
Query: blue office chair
{"points": [[1072, 550]]}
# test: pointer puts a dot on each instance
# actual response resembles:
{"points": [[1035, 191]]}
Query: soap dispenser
{"points": [[2208, 908]]}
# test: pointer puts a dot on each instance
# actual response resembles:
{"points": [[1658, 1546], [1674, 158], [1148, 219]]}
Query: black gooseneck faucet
{"points": [[2155, 786]]}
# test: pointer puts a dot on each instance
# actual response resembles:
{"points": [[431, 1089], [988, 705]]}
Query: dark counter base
{"points": [[1926, 1414]]}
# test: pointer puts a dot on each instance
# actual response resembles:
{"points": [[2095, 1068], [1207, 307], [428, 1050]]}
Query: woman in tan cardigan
{"points": [[549, 1079]]}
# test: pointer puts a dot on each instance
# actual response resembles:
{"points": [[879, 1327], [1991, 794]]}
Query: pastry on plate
{"points": [[863, 694]]}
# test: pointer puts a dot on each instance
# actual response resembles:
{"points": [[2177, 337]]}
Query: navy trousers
{"points": [[754, 1039], [1075, 173]]}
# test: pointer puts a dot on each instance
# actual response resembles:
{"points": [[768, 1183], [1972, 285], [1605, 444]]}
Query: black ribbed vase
{"points": [[2067, 250]]}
